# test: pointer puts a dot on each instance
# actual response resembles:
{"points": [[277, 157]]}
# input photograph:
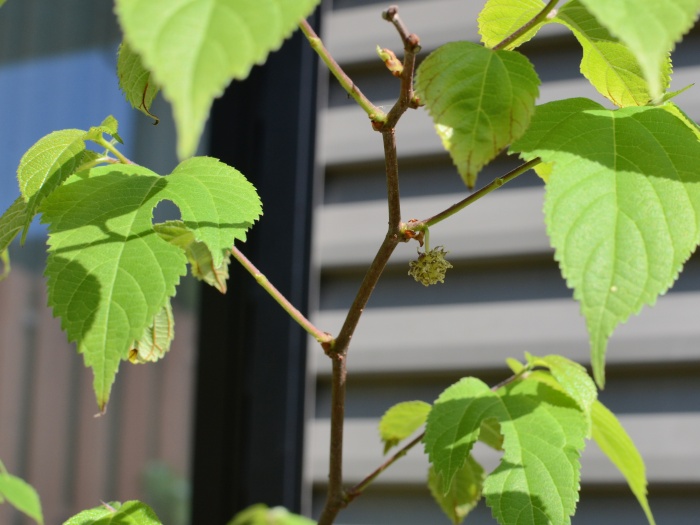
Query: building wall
{"points": [[504, 297]]}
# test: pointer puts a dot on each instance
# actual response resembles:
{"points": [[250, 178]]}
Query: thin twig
{"points": [[322, 337], [357, 490], [375, 114], [496, 183], [539, 17]]}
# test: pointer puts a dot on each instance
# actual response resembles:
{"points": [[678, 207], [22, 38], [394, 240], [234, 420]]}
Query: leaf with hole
{"points": [[108, 271], [622, 205], [480, 101]]}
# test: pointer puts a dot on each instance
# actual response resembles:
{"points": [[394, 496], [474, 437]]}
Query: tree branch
{"points": [[322, 337], [375, 114]]}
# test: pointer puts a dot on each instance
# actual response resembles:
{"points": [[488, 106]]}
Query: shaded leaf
{"points": [[609, 65], [109, 273], [464, 493], [135, 81], [156, 339], [501, 18], [12, 222], [622, 205], [402, 420], [480, 100], [649, 28], [198, 255], [614, 441], [194, 48]]}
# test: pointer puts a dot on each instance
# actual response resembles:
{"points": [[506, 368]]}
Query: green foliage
{"points": [[194, 48], [614, 441], [543, 431], [480, 101], [135, 81], [155, 340], [501, 18], [609, 65], [109, 273], [649, 28], [464, 493], [622, 206], [402, 420], [115, 513], [263, 515], [12, 222], [20, 495]]}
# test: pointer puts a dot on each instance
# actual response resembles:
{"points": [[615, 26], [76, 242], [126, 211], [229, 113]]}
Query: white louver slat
{"points": [[464, 328]]}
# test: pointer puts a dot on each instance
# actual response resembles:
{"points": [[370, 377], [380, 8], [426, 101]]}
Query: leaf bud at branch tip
{"points": [[392, 63]]}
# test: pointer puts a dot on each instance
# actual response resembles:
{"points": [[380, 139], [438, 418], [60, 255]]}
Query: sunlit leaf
{"points": [[501, 18], [622, 205], [20, 494], [402, 420], [194, 48], [480, 101]]}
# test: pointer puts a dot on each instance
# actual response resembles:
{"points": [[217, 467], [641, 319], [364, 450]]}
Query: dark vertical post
{"points": [[251, 372]]}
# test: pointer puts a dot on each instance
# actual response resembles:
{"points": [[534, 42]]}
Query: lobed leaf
{"points": [[194, 48], [622, 206], [614, 441], [609, 65], [20, 495], [402, 420], [109, 273], [464, 493], [135, 81], [480, 101], [115, 513], [649, 28], [501, 18]]}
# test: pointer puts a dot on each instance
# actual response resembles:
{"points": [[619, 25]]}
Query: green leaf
{"points": [[114, 513], [198, 255], [464, 493], [480, 100], [12, 222], [20, 495], [194, 48], [108, 126], [609, 65], [490, 434], [135, 81], [156, 339], [614, 441], [501, 18], [109, 273], [402, 420], [543, 430], [622, 205], [674, 110], [538, 478], [649, 28], [44, 167], [454, 425], [5, 260], [263, 515], [572, 377]]}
